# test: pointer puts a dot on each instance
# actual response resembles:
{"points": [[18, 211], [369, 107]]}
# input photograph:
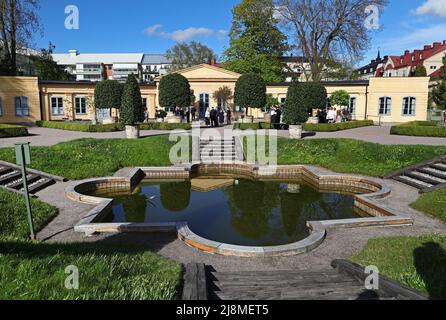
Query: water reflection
{"points": [[254, 213]]}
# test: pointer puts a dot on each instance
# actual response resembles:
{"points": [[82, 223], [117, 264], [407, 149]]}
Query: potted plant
{"points": [[174, 91], [302, 97], [132, 110], [250, 92], [160, 115], [108, 95]]}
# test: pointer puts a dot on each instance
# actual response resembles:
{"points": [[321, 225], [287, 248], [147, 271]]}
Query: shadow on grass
{"points": [[116, 244], [430, 263]]}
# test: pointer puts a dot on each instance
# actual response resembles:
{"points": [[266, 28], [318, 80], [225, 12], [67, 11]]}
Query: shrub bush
{"points": [[326, 127], [174, 91], [165, 126], [250, 92], [9, 131], [132, 110], [419, 129], [73, 126]]}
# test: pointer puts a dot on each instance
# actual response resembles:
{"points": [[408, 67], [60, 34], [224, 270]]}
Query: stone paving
{"points": [[376, 134], [340, 244]]}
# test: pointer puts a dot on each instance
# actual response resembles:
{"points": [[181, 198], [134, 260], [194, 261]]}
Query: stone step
{"points": [[433, 172], [427, 178], [438, 167], [5, 170], [19, 183], [40, 185], [413, 182], [7, 178]]}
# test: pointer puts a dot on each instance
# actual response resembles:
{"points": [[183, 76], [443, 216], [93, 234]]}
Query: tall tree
{"points": [[18, 22], [46, 68], [250, 92], [327, 30], [132, 110], [256, 42], [439, 92], [185, 55]]}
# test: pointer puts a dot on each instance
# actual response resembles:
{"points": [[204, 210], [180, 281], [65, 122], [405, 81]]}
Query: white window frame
{"points": [[80, 107], [60, 109], [352, 106], [411, 104], [24, 106], [387, 106]]}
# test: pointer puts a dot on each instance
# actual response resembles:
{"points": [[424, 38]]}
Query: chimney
{"points": [[444, 41], [406, 52], [437, 44], [427, 47], [73, 53]]}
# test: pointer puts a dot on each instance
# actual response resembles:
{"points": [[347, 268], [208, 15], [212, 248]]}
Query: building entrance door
{"points": [[204, 104]]}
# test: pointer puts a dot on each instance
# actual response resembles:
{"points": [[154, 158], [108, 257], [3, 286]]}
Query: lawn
{"points": [[36, 271], [13, 217], [433, 203], [352, 156], [419, 262], [87, 158], [419, 129]]}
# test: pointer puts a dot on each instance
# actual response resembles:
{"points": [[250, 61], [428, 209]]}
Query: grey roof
{"points": [[156, 59], [105, 58]]}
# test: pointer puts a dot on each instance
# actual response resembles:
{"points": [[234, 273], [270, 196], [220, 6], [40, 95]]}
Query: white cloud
{"points": [[183, 35], [416, 39], [435, 8]]}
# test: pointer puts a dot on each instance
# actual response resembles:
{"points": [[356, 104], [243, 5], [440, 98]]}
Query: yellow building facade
{"points": [[384, 100]]}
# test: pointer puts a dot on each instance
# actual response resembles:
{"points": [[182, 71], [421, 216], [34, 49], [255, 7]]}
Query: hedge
{"points": [[307, 127], [9, 131], [72, 126], [332, 127], [165, 126], [419, 129]]}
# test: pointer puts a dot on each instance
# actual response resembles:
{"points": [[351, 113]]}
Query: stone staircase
{"points": [[426, 176], [11, 178], [215, 151]]}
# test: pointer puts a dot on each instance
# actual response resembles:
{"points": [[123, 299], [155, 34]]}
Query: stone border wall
{"points": [[380, 215]]}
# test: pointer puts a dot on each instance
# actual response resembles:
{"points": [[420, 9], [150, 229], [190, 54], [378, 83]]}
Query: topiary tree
{"points": [[302, 97], [420, 71], [250, 92], [340, 98], [132, 110], [108, 94], [174, 91]]}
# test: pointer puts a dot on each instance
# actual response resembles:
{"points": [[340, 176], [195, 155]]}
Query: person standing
{"points": [[213, 118], [207, 117], [278, 116], [221, 117], [194, 113], [229, 116]]}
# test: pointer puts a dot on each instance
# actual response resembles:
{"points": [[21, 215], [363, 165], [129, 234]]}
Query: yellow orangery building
{"points": [[384, 100]]}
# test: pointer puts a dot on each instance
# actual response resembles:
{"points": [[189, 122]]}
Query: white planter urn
{"points": [[160, 120], [132, 132], [295, 131]]}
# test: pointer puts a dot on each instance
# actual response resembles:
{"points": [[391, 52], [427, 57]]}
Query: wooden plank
{"points": [[195, 287]]}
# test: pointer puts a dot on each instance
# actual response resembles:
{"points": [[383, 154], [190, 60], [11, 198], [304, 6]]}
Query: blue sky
{"points": [[154, 26]]}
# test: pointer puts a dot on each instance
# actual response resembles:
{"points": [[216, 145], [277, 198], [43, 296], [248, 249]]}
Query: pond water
{"points": [[234, 211]]}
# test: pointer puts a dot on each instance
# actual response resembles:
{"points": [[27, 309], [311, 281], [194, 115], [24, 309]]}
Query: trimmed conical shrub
{"points": [[132, 110]]}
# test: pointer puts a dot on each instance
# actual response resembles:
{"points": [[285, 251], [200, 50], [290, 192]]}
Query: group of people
{"points": [[216, 117], [276, 115], [332, 115]]}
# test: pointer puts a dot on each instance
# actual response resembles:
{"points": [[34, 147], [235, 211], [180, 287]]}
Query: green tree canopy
{"points": [[132, 110], [439, 92], [185, 55], [420, 71], [256, 43], [108, 94], [340, 98], [301, 98], [250, 91], [46, 68], [174, 91]]}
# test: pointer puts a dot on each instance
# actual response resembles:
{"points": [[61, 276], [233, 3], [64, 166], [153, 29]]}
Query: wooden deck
{"points": [[345, 281]]}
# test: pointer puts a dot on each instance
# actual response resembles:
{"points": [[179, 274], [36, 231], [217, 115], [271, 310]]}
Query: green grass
{"points": [[73, 126], [13, 216], [87, 158], [9, 131], [352, 156], [419, 129], [36, 271], [433, 203], [419, 262]]}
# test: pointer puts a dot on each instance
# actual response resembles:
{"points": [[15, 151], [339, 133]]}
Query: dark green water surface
{"points": [[248, 213]]}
